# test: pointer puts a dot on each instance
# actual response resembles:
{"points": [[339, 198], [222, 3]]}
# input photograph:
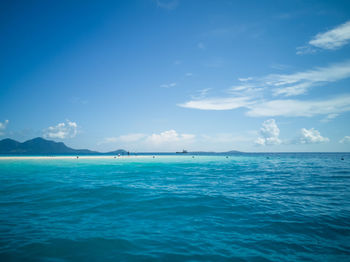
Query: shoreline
{"points": [[68, 157]]}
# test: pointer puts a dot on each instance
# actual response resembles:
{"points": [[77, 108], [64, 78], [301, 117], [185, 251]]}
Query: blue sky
{"points": [[165, 75]]}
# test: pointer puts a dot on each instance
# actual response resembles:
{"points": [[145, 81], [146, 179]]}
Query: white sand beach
{"points": [[70, 157]]}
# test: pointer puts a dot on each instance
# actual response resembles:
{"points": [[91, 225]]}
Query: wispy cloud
{"points": [[293, 84], [273, 108], [168, 85], [166, 140], [188, 74], [305, 108], [269, 134], [201, 94], [167, 4], [3, 126], [62, 130], [169, 136], [311, 136], [245, 79], [345, 140], [299, 83], [329, 117], [218, 103], [254, 94], [330, 40]]}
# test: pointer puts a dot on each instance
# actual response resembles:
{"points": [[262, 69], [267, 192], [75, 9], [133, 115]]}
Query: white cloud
{"points": [[299, 83], [329, 117], [189, 74], [330, 40], [62, 130], [3, 126], [246, 90], [169, 140], [311, 136], [269, 133], [252, 94], [168, 85], [334, 38], [306, 108], [169, 137], [201, 94], [218, 103], [280, 107], [303, 50], [167, 4], [345, 140], [245, 79]]}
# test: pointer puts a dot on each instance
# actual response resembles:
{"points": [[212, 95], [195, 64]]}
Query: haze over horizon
{"points": [[157, 75]]}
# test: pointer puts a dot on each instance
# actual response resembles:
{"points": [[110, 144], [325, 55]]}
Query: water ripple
{"points": [[290, 207]]}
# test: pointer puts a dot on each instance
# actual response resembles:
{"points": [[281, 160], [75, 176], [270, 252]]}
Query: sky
{"points": [[168, 75]]}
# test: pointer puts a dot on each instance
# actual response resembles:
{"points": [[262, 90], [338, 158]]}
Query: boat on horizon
{"points": [[183, 152]]}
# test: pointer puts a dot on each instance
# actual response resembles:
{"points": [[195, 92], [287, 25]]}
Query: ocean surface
{"points": [[255, 207]]}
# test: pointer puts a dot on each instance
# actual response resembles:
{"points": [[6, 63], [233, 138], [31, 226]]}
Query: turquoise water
{"points": [[277, 207]]}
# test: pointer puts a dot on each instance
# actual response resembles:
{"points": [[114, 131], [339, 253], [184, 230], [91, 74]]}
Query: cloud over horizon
{"points": [[166, 140], [311, 136], [269, 134], [62, 130], [168, 136], [345, 140]]}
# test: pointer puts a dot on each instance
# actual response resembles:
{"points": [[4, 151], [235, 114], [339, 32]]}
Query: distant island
{"points": [[41, 146]]}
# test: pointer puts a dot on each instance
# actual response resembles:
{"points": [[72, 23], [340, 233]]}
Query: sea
{"points": [[242, 207]]}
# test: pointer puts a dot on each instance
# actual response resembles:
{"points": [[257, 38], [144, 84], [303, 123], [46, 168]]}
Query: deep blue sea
{"points": [[254, 207]]}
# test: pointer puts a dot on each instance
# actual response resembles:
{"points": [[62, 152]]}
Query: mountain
{"points": [[117, 152], [9, 145], [233, 152], [38, 146], [41, 146]]}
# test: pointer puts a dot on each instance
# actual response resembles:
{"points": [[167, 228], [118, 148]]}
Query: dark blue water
{"points": [[288, 207]]}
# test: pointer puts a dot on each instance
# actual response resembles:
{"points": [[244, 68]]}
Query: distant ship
{"points": [[183, 152]]}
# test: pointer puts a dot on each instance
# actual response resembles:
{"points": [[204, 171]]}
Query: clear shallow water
{"points": [[290, 207]]}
